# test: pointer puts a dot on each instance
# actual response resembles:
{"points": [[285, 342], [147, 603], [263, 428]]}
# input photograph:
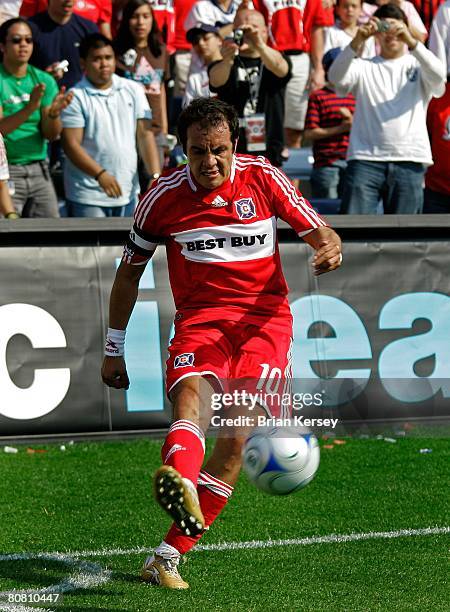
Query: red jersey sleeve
{"points": [[146, 232], [289, 204]]}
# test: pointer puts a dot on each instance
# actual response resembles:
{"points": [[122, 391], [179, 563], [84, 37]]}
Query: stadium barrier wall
{"points": [[374, 337]]}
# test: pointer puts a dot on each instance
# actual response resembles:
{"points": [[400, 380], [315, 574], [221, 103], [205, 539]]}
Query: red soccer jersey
{"points": [[438, 122], [222, 248], [165, 18], [98, 11], [323, 112], [290, 22], [182, 10]]}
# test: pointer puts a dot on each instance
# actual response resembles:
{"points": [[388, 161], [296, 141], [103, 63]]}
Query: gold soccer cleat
{"points": [[178, 497], [163, 572]]}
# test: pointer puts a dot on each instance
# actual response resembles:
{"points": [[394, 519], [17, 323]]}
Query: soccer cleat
{"points": [[179, 498], [163, 572]]}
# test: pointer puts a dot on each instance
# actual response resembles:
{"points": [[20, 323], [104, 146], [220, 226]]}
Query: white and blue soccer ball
{"points": [[281, 460]]}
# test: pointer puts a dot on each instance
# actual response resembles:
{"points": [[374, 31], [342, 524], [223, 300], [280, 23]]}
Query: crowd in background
{"points": [[90, 93]]}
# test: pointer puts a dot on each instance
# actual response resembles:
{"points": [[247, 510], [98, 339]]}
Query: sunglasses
{"points": [[16, 40]]}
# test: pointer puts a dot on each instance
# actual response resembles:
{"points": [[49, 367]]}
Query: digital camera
{"points": [[383, 26], [238, 36]]}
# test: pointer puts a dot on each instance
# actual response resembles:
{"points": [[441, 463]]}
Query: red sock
{"points": [[184, 449], [213, 495]]}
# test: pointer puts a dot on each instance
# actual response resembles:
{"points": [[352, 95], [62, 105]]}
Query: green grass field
{"points": [[96, 498]]}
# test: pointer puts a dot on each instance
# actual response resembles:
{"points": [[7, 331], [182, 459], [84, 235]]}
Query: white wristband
{"points": [[115, 342]]}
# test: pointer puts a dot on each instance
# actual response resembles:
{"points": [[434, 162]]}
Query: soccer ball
{"points": [[281, 460]]}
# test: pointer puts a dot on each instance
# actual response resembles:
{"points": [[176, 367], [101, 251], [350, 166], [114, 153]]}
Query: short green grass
{"points": [[98, 496]]}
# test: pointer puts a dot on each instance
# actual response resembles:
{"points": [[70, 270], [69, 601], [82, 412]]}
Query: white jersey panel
{"points": [[227, 243]]}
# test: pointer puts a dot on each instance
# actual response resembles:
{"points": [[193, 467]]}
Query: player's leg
{"points": [[195, 357], [183, 452], [220, 473]]}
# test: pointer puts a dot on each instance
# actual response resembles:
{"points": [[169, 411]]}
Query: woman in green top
{"points": [[30, 106]]}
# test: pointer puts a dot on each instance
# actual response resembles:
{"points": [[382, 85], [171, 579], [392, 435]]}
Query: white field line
{"points": [[84, 575], [252, 544]]}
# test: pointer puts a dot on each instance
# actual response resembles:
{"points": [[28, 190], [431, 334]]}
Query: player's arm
{"points": [[123, 298], [292, 207], [328, 247]]}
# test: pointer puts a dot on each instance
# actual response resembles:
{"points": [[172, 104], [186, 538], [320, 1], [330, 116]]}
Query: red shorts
{"points": [[234, 355]]}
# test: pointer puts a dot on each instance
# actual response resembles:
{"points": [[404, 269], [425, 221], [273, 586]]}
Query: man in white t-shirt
{"points": [[389, 145]]}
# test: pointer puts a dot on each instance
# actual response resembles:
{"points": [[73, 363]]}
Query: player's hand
{"points": [[110, 185], [327, 4], [114, 373], [327, 257], [36, 96]]}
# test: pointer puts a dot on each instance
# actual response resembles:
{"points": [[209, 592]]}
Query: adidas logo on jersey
{"points": [[218, 202]]}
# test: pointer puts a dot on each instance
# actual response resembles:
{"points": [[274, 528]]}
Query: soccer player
{"points": [[217, 217]]}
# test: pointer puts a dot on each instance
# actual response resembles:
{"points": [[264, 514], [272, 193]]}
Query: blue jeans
{"points": [[398, 184], [76, 209], [327, 181]]}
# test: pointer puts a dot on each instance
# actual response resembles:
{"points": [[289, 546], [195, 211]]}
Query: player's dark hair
{"points": [[208, 112], [391, 11], [125, 40], [93, 41], [6, 25]]}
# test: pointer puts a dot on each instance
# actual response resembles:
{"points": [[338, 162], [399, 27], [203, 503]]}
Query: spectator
{"points": [[6, 206], [142, 57], [440, 35], [9, 9], [427, 9], [254, 82], [341, 34], [296, 29], [164, 15], [182, 56], [207, 43], [437, 178], [107, 116], [97, 11], [328, 123], [415, 23], [30, 109], [57, 33], [389, 144], [219, 13]]}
